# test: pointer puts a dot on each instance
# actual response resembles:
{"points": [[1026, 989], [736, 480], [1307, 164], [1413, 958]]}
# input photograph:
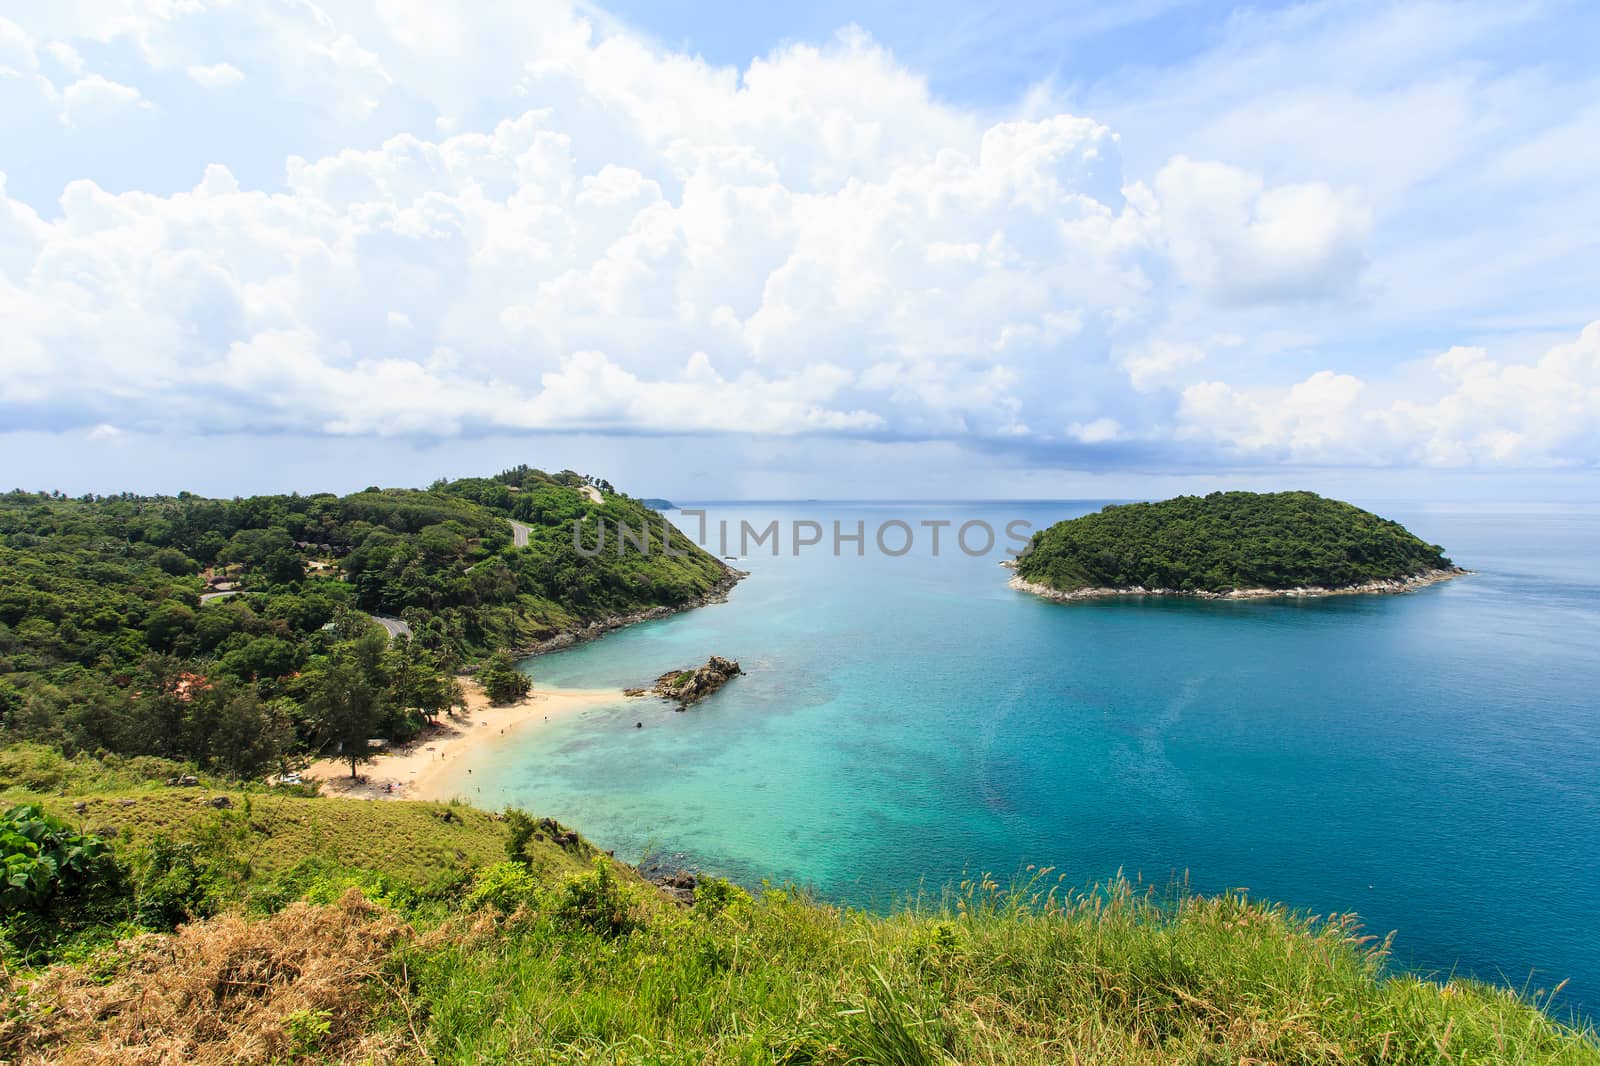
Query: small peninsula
{"points": [[1228, 545]]}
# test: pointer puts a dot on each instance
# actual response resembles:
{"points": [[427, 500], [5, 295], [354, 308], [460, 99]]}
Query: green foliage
{"points": [[105, 644], [521, 831], [54, 883], [505, 886], [1225, 541], [597, 901], [175, 883], [181, 879], [502, 681], [40, 768], [45, 862], [1015, 974], [343, 697], [307, 1029], [713, 896]]}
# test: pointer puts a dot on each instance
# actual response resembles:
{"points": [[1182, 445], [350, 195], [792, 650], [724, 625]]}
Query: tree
{"points": [[502, 681], [166, 624], [174, 562], [283, 567], [344, 705], [417, 680]]}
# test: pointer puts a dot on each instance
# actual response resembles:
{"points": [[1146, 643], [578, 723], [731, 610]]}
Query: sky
{"points": [[842, 250]]}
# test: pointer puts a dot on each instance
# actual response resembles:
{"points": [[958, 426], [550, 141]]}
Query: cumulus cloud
{"points": [[583, 231], [98, 99], [851, 256], [1243, 242], [1477, 411]]}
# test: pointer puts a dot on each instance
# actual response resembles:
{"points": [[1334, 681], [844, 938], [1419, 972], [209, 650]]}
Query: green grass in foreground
{"points": [[571, 959]]}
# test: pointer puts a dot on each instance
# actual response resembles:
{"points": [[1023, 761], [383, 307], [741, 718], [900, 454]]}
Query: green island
{"points": [[164, 898], [1236, 544]]}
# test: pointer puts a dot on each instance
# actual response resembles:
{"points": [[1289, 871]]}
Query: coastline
{"points": [[420, 769], [566, 638], [1388, 587]]}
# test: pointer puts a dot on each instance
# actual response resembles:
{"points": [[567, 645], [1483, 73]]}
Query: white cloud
{"points": [[17, 53], [98, 99], [584, 231], [1242, 242], [65, 56], [1476, 412], [1153, 365], [216, 75], [1099, 431]]}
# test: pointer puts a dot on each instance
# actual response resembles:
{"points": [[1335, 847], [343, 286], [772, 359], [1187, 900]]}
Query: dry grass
{"points": [[228, 990]]}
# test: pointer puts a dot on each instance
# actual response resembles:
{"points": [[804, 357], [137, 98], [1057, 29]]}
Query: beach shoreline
{"points": [[422, 769], [1409, 584]]}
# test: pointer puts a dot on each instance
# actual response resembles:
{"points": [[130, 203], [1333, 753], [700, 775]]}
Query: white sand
{"points": [[418, 770]]}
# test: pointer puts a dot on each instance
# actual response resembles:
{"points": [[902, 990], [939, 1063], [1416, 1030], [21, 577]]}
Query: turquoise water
{"points": [[1427, 760]]}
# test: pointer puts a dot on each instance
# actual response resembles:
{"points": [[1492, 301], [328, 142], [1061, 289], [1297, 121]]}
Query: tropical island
{"points": [[1228, 545], [168, 894]]}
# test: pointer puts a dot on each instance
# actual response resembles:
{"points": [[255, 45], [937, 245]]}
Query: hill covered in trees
{"points": [[228, 632], [1224, 542]]}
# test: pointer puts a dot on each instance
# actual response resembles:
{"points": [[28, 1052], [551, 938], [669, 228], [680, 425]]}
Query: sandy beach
{"points": [[417, 771]]}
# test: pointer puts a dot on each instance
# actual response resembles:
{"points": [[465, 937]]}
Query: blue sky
{"points": [[863, 249]]}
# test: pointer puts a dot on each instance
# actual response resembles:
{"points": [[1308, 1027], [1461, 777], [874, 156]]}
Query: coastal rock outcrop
{"points": [[692, 685]]}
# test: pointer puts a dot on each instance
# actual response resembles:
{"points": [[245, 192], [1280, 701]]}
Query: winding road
{"points": [[394, 626], [519, 534]]}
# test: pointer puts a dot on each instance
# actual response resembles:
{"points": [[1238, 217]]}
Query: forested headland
{"points": [[229, 633]]}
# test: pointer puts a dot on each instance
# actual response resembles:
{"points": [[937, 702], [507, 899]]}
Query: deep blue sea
{"points": [[1430, 761]]}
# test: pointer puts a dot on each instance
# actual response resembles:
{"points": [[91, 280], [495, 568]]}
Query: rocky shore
{"points": [[1406, 584], [718, 593]]}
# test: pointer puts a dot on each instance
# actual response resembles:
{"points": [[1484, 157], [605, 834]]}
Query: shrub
{"points": [[43, 860], [598, 902], [175, 884], [54, 879], [713, 895], [505, 886]]}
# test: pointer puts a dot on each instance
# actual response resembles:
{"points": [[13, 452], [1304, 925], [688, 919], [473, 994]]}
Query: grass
{"points": [[988, 977], [569, 958], [418, 843]]}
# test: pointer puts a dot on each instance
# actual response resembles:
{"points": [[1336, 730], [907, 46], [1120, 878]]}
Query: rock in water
{"points": [[695, 684]]}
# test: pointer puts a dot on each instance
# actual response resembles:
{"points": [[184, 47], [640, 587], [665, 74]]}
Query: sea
{"points": [[1430, 761]]}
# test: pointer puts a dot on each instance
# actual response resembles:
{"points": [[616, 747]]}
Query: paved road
{"points": [[207, 597], [519, 534], [395, 626]]}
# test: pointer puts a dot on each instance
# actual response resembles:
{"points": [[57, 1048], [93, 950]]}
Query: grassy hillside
{"points": [[1226, 541], [387, 932]]}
